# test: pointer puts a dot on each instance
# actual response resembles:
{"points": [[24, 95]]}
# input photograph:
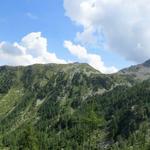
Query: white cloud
{"points": [[35, 44], [123, 25], [30, 50], [92, 59]]}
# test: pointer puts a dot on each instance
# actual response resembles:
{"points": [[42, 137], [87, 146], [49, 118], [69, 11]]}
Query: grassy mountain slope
{"points": [[72, 107]]}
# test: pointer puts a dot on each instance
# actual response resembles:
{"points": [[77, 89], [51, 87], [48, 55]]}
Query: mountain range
{"points": [[74, 107]]}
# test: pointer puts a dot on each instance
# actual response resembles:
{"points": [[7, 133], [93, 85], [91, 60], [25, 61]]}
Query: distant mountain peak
{"points": [[147, 63], [141, 71]]}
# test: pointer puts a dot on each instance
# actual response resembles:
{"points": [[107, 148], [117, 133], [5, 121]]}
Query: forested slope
{"points": [[72, 107]]}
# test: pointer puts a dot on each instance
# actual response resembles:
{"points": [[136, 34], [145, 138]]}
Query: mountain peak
{"points": [[147, 63], [141, 71]]}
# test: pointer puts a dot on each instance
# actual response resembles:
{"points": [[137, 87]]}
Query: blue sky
{"points": [[18, 18]]}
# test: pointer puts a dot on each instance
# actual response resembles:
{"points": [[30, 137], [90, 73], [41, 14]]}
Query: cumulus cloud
{"points": [[122, 25], [92, 59], [30, 50]]}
